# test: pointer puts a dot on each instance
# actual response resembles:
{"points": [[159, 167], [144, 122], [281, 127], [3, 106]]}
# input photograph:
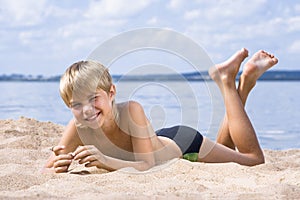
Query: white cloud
{"points": [[26, 37], [293, 24], [175, 4], [56, 12], [220, 10], [115, 8], [192, 14], [22, 13], [152, 21], [297, 7], [63, 30], [294, 47], [228, 22]]}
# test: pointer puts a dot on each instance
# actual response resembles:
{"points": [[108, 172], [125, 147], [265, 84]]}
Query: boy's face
{"points": [[93, 109]]}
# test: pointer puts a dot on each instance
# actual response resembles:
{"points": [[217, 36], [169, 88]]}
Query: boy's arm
{"points": [[111, 164], [91, 156], [69, 142], [141, 132]]}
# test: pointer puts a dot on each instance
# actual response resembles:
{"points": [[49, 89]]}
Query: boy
{"points": [[113, 136]]}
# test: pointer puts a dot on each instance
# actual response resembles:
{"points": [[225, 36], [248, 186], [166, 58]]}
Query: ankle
{"points": [[228, 82], [246, 82]]}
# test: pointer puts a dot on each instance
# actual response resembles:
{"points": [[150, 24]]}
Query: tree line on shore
{"points": [[193, 76]]}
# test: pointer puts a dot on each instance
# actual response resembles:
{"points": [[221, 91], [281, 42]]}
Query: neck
{"points": [[110, 125]]}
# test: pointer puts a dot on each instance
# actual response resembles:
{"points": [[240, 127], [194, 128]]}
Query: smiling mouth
{"points": [[93, 117]]}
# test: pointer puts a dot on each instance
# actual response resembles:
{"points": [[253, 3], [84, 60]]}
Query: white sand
{"points": [[24, 150]]}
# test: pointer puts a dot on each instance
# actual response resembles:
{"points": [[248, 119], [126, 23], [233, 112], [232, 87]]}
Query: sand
{"points": [[24, 148]]}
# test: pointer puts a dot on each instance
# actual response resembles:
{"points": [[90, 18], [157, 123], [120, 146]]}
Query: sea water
{"points": [[273, 107]]}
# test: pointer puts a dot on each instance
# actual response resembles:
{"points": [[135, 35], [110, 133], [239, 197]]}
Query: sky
{"points": [[44, 37]]}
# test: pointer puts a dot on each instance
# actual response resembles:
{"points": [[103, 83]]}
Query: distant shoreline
{"points": [[276, 75]]}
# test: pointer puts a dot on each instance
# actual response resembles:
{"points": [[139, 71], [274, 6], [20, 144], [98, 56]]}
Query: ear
{"points": [[112, 92]]}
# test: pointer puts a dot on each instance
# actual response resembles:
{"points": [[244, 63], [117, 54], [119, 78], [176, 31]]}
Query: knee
{"points": [[260, 160], [257, 160]]}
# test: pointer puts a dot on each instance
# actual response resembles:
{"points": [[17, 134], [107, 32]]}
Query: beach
{"points": [[25, 145]]}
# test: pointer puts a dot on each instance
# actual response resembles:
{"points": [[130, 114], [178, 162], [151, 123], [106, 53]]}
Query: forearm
{"points": [[111, 164]]}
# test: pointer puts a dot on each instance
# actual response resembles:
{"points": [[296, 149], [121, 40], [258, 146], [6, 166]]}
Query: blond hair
{"points": [[85, 77]]}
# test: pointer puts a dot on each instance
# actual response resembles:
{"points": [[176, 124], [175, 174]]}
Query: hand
{"points": [[61, 161], [90, 155]]}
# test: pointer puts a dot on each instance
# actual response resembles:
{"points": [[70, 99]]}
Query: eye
{"points": [[93, 99], [76, 106]]}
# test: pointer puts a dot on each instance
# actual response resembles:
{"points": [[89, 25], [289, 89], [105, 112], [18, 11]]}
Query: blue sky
{"points": [[46, 36]]}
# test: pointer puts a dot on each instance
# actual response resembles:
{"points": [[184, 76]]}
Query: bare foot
{"points": [[260, 62], [228, 70]]}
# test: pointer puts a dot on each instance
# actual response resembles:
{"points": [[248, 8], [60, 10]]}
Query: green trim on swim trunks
{"points": [[193, 157]]}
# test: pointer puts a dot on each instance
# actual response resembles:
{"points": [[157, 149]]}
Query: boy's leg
{"points": [[240, 127], [253, 69], [224, 134]]}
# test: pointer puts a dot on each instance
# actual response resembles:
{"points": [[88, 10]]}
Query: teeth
{"points": [[92, 117]]}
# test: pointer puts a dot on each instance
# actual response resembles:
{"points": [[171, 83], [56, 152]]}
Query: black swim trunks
{"points": [[188, 139]]}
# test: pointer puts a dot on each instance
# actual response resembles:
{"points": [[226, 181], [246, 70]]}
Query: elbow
{"points": [[145, 166], [260, 159]]}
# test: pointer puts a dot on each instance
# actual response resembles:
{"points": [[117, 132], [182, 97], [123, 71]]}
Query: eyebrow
{"points": [[89, 96]]}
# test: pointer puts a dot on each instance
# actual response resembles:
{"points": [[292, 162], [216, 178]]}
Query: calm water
{"points": [[273, 107]]}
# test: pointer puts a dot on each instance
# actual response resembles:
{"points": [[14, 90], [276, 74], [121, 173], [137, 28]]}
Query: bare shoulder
{"points": [[129, 104], [130, 107], [133, 119]]}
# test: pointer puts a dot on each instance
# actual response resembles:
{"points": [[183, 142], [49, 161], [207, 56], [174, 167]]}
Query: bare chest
{"points": [[116, 145]]}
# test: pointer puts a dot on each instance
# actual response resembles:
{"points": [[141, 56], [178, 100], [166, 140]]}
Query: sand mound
{"points": [[24, 149]]}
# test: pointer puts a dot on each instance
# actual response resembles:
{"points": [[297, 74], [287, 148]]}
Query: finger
{"points": [[78, 150], [88, 149], [61, 163], [91, 158], [63, 157], [56, 149], [85, 147], [94, 163], [91, 164], [61, 169], [72, 154], [82, 154]]}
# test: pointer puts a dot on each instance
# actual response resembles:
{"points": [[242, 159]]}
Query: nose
{"points": [[87, 109]]}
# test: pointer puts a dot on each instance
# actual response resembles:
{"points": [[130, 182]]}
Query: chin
{"points": [[95, 124], [92, 126]]}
